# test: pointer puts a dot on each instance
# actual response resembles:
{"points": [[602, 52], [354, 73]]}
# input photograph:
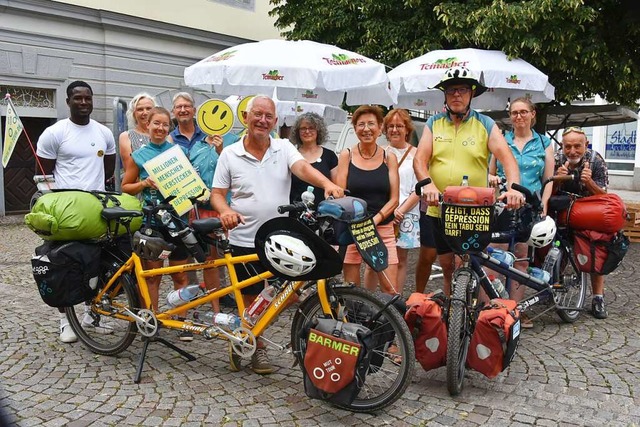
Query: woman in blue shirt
{"points": [[534, 154], [136, 180]]}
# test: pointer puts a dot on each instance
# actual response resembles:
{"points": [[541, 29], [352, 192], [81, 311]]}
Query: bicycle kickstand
{"points": [[143, 354]]}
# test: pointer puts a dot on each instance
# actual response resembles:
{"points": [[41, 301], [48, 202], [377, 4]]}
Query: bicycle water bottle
{"points": [[465, 181], [253, 313], [551, 258], [183, 295], [501, 255], [308, 197], [499, 287], [226, 320], [539, 273]]}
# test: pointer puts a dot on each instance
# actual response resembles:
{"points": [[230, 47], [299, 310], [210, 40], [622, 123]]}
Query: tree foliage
{"points": [[586, 47]]}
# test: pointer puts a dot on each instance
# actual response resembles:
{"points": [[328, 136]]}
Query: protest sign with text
{"points": [[175, 176]]}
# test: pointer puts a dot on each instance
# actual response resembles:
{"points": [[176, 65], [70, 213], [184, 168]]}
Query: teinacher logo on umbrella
{"points": [[343, 59], [309, 94], [513, 79], [444, 64], [272, 75], [223, 57]]}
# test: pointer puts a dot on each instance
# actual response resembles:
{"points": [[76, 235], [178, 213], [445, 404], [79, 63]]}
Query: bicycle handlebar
{"points": [[297, 207], [420, 184]]}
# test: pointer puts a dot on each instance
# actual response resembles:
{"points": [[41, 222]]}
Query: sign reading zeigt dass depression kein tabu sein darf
{"points": [[467, 228], [175, 176]]}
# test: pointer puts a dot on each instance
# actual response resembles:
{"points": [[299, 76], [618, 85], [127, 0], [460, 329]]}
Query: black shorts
{"points": [[441, 245], [248, 270], [426, 231]]}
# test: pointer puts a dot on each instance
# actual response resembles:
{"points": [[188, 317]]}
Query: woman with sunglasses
{"points": [[534, 154], [308, 133]]}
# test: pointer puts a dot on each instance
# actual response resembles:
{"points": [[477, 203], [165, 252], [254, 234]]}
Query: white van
{"points": [[343, 136]]}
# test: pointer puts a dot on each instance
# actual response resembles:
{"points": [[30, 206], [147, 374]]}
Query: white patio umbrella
{"points": [[288, 111], [299, 71], [506, 79]]}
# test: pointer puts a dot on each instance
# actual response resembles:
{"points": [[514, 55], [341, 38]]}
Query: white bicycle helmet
{"points": [[289, 255], [542, 233], [460, 75]]}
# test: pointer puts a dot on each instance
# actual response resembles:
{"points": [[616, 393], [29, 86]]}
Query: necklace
{"points": [[367, 158]]}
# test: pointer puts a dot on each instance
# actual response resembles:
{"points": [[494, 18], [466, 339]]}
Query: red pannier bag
{"points": [[597, 252], [605, 213], [495, 338], [428, 327]]}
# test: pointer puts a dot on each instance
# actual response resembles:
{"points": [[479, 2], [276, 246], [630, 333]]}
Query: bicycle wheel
{"points": [[458, 335], [107, 335], [573, 289], [390, 375]]}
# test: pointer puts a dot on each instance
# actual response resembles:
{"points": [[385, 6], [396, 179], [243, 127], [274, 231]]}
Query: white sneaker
{"points": [[103, 327], [66, 333]]}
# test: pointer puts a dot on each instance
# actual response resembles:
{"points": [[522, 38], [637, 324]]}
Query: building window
{"points": [[29, 97], [621, 142], [241, 4]]}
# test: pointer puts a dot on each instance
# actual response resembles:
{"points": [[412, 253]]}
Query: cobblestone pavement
{"points": [[587, 373]]}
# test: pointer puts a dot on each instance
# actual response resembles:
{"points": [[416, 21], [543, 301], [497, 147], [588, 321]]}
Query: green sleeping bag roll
{"points": [[75, 215]]}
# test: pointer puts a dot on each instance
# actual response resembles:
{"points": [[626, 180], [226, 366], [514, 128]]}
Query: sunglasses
{"points": [[460, 90], [576, 129]]}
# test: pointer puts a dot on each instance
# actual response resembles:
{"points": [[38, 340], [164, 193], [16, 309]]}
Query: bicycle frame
{"points": [[134, 266]]}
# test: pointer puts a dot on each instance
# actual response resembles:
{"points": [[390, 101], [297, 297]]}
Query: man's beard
{"points": [[574, 161]]}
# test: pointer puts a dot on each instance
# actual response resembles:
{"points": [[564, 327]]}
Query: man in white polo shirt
{"points": [[257, 170]]}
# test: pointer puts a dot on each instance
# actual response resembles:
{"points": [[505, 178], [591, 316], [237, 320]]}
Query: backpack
{"points": [[427, 321], [336, 360], [495, 338], [597, 252], [66, 272]]}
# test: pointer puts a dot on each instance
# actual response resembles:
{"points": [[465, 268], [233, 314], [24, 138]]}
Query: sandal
{"points": [[525, 322], [394, 355]]}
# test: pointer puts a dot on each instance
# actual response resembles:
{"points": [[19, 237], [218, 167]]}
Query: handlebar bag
{"points": [[66, 272], [75, 215], [335, 360], [342, 211], [465, 195], [495, 338], [597, 252], [427, 322], [605, 213]]}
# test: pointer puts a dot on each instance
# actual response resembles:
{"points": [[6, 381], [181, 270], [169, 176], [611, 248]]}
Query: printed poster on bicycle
{"points": [[175, 176], [369, 244], [467, 228]]}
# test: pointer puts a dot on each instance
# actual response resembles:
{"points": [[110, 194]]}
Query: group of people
{"points": [[250, 176]]}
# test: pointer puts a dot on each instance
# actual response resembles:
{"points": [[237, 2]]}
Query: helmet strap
{"points": [[458, 115]]}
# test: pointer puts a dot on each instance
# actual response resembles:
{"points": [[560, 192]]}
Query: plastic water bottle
{"points": [[183, 295], [253, 313], [308, 197], [551, 258], [502, 256], [539, 273], [465, 181], [499, 287], [226, 320]]}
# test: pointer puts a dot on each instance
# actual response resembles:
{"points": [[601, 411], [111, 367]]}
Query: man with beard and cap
{"points": [[458, 142], [578, 159]]}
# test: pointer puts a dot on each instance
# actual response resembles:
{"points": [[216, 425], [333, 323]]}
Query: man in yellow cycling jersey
{"points": [[458, 142]]}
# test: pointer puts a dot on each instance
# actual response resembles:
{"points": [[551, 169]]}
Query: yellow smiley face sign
{"points": [[242, 107], [215, 117]]}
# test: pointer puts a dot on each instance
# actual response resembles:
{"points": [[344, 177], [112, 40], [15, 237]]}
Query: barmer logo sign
{"points": [[443, 64]]}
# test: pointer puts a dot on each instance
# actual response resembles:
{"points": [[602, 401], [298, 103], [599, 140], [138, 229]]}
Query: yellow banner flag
{"points": [[12, 130]]}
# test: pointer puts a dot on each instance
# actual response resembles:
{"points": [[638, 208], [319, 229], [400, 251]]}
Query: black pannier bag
{"points": [[335, 359], [66, 273]]}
